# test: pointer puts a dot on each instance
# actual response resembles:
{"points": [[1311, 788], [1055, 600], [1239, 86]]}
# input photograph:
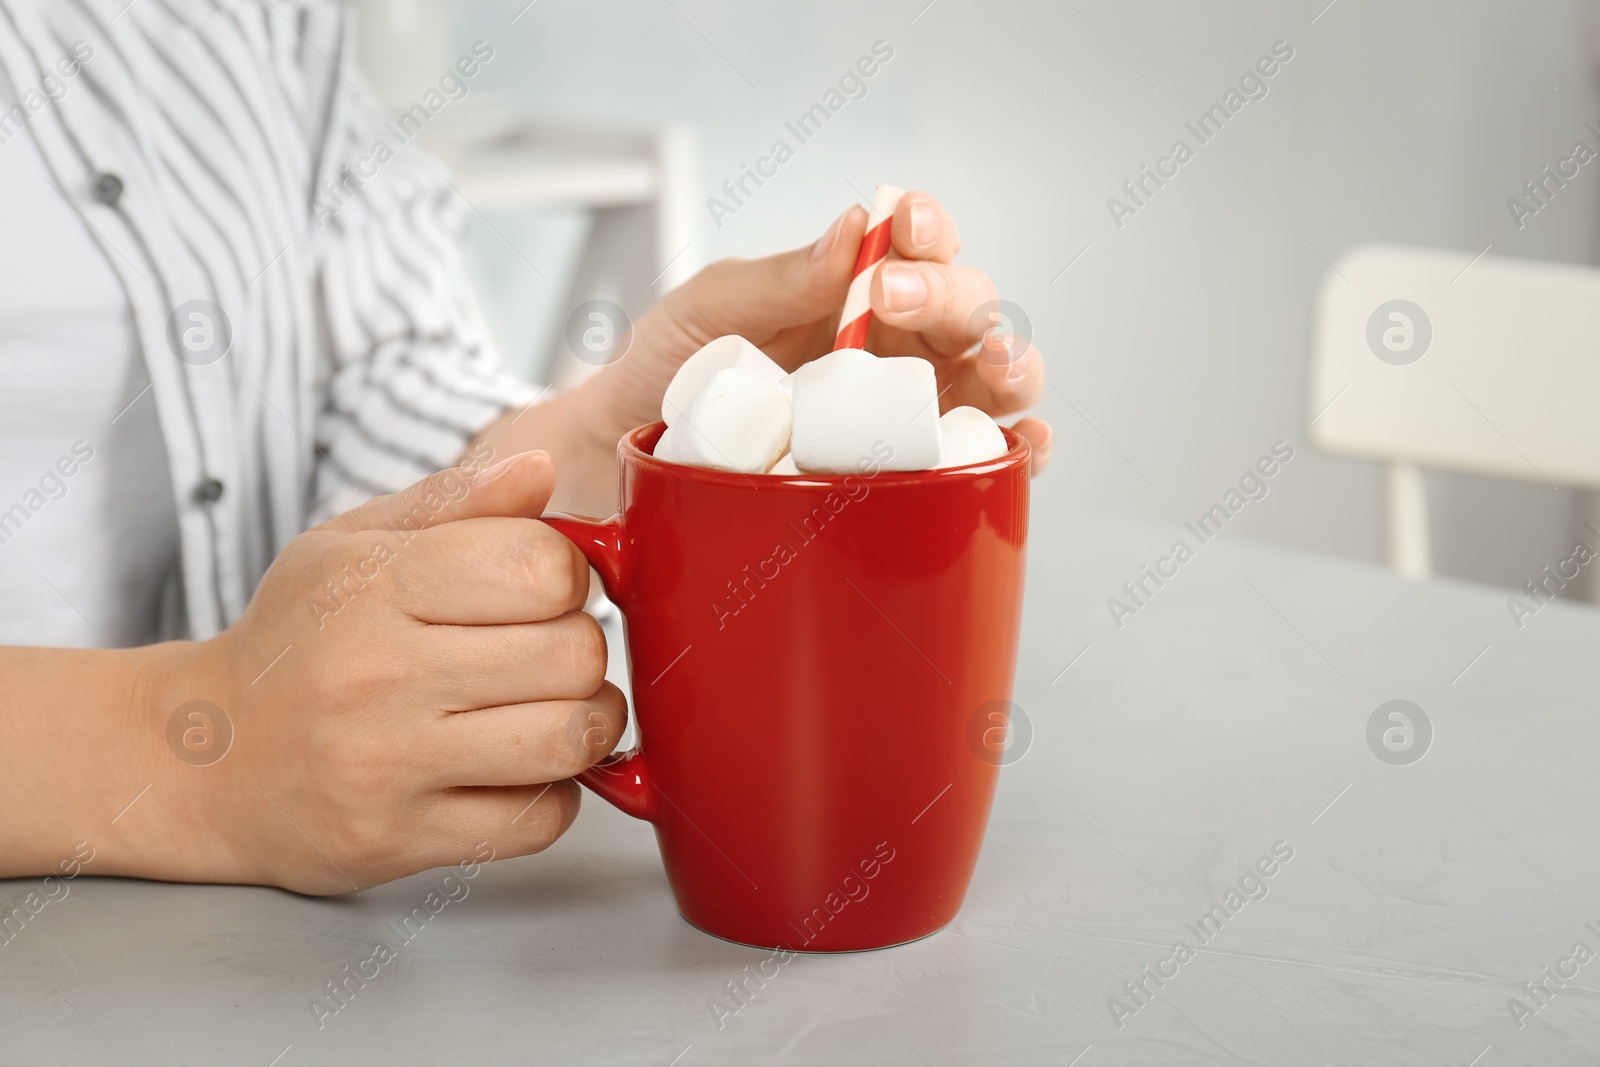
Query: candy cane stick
{"points": [[857, 314]]}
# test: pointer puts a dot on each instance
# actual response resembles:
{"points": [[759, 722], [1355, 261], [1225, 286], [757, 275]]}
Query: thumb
{"points": [[758, 297], [518, 486]]}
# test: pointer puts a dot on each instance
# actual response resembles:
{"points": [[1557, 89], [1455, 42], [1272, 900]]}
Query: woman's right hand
{"points": [[411, 680]]}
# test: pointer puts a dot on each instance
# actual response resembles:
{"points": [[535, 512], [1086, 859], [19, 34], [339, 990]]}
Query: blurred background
{"points": [[1179, 336]]}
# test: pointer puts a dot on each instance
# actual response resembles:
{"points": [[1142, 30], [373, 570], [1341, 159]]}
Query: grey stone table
{"points": [[1222, 727]]}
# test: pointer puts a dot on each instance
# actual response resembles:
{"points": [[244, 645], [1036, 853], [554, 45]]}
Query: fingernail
{"points": [[924, 224], [826, 242], [490, 473], [903, 288], [1017, 368]]}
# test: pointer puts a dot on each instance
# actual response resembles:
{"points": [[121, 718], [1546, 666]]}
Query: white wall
{"points": [[1182, 336]]}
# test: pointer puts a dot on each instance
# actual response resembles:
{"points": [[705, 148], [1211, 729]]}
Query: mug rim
{"points": [[629, 450]]}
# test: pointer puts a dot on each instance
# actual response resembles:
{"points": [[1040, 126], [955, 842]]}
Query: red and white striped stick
{"points": [[857, 314]]}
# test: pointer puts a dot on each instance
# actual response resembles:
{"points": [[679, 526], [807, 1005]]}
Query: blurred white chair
{"points": [[1423, 357]]}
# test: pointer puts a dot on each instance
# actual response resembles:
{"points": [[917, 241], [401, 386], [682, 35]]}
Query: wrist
{"points": [[597, 414], [87, 772], [605, 407], [579, 428], [176, 770]]}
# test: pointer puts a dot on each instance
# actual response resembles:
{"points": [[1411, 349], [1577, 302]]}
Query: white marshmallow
{"points": [[696, 371], [667, 447], [738, 421], [967, 435], [850, 404], [785, 465]]}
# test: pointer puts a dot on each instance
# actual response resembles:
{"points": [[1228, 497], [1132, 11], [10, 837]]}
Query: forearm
{"points": [[85, 734]]}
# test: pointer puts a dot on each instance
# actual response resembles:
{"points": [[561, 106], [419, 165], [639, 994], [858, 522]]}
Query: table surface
{"points": [[1227, 717]]}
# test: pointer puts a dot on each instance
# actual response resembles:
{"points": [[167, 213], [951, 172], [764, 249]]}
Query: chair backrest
{"points": [[1429, 357]]}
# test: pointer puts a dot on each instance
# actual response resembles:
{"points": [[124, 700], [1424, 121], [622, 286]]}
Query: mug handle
{"points": [[621, 778]]}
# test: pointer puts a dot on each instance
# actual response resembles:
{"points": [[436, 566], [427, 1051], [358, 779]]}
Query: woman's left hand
{"points": [[788, 305]]}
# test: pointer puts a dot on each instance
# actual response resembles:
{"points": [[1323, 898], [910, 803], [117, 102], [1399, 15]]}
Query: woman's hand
{"points": [[788, 305], [411, 680]]}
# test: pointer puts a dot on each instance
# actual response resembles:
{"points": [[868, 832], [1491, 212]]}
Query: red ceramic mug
{"points": [[809, 657]]}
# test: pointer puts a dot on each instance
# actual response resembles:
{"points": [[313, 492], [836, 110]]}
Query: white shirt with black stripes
{"points": [[298, 362]]}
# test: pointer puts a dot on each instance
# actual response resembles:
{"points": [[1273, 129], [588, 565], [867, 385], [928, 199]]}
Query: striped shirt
{"points": [[205, 144]]}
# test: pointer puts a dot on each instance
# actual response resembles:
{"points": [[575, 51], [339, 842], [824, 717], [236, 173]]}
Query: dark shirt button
{"points": [[107, 188], [208, 492]]}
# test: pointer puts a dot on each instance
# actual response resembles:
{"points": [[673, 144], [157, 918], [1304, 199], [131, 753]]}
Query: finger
{"points": [[923, 229], [486, 571], [990, 382], [940, 302], [517, 485], [1039, 436], [499, 823], [523, 744], [467, 667], [757, 297]]}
